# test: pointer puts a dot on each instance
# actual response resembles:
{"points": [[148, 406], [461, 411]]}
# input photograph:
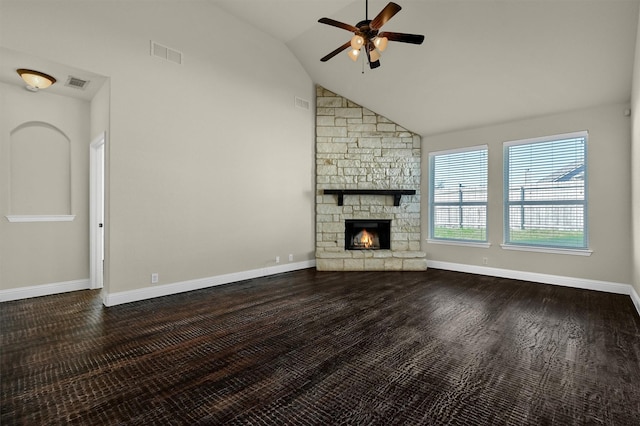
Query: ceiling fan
{"points": [[366, 36]]}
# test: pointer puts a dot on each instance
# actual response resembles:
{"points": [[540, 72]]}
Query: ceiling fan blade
{"points": [[402, 37], [335, 52], [384, 15], [338, 24]]}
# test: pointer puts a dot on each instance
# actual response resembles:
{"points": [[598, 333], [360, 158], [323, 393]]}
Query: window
{"points": [[545, 192], [458, 195]]}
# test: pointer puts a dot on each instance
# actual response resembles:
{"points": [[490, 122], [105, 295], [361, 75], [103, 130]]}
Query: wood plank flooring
{"points": [[326, 348]]}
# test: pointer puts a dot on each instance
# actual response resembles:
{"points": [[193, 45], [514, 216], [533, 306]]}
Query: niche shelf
{"points": [[41, 218]]}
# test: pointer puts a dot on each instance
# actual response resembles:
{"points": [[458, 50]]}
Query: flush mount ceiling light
{"points": [[35, 79], [367, 37]]}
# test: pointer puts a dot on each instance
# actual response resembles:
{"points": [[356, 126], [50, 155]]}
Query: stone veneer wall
{"points": [[358, 149]]}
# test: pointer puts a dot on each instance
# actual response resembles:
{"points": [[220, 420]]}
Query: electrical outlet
{"points": [[277, 259], [290, 258], [485, 260], [154, 278]]}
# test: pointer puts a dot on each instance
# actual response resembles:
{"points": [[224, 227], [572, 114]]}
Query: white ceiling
{"points": [[482, 62]]}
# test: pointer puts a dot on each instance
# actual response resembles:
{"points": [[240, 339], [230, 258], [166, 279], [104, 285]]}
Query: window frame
{"points": [[431, 225], [549, 248]]}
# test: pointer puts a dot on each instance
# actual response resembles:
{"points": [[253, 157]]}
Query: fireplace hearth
{"points": [[367, 234]]}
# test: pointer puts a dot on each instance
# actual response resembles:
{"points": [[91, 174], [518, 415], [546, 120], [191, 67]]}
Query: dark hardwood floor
{"points": [[326, 348]]}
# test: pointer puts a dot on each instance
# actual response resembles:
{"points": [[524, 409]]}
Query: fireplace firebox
{"points": [[367, 234]]}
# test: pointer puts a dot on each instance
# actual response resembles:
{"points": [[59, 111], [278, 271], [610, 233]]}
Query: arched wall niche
{"points": [[39, 170]]}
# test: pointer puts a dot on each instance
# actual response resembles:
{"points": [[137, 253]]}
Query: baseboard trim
{"points": [[119, 298], [112, 299], [583, 283], [635, 298], [43, 290]]}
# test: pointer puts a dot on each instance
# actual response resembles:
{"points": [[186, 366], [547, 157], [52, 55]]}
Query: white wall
{"points": [[609, 187], [210, 165], [635, 168], [49, 252]]}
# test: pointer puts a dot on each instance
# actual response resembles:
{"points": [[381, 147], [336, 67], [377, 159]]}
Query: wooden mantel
{"points": [[396, 193]]}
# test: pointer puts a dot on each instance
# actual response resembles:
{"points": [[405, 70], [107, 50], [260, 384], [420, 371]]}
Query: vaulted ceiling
{"points": [[482, 62]]}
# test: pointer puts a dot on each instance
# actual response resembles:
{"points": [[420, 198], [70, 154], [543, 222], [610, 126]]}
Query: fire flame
{"points": [[366, 239]]}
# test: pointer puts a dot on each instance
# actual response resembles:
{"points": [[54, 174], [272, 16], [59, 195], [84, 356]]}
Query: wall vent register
{"points": [[166, 53], [76, 83]]}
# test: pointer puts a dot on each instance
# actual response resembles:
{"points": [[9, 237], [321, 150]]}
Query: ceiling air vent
{"points": [[76, 83], [166, 53], [302, 103]]}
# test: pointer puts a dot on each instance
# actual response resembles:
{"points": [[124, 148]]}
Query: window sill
{"points": [[41, 218], [459, 243], [573, 252]]}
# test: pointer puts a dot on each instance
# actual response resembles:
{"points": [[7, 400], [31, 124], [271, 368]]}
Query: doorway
{"points": [[96, 210]]}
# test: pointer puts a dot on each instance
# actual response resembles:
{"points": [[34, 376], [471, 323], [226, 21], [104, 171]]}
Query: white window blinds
{"points": [[458, 195], [545, 191]]}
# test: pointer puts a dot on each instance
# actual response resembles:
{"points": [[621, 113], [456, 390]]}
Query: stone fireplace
{"points": [[367, 234], [367, 190]]}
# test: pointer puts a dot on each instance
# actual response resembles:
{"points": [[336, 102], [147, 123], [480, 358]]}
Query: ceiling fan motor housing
{"points": [[365, 30]]}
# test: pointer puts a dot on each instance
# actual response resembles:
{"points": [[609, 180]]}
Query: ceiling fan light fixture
{"points": [[357, 41], [354, 54], [380, 43], [36, 79], [374, 55]]}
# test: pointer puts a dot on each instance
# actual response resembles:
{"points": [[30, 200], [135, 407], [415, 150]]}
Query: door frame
{"points": [[96, 210]]}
